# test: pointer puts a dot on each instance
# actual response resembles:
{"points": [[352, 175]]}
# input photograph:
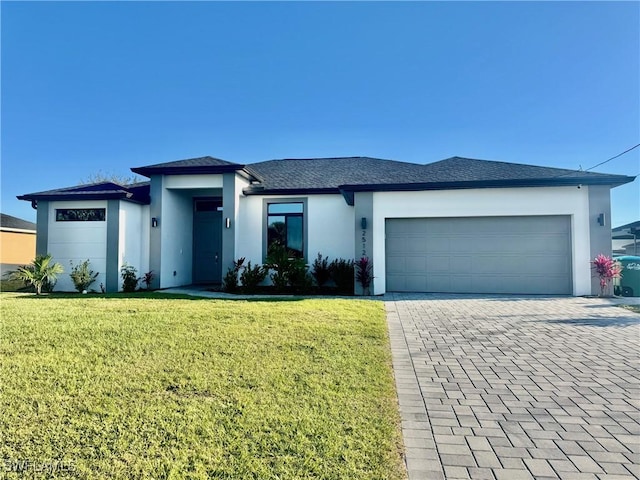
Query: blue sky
{"points": [[90, 86]]}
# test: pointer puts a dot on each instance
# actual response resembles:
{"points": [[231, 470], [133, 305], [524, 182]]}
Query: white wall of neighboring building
{"points": [[133, 244], [77, 242], [486, 203], [330, 227], [177, 238]]}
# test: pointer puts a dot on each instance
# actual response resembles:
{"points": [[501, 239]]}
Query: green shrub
{"points": [[342, 273], [230, 280], [300, 281], [42, 273], [130, 278], [251, 277], [288, 274], [82, 276], [279, 264], [320, 270], [147, 278]]}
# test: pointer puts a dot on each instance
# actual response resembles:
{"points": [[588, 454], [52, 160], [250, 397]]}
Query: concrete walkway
{"points": [[516, 387]]}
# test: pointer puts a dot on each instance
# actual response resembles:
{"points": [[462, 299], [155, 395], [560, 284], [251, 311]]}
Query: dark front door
{"points": [[207, 246]]}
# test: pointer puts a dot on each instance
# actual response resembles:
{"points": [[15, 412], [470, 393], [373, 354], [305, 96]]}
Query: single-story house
{"points": [[17, 242], [626, 239], [458, 225]]}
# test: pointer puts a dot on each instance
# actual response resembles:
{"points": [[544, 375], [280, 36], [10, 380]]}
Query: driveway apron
{"points": [[516, 387]]}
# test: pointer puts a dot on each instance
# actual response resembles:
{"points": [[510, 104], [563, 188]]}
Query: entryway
{"points": [[207, 240]]}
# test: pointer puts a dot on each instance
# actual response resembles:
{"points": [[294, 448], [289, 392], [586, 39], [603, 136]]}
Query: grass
{"points": [[9, 285], [141, 387], [633, 308]]}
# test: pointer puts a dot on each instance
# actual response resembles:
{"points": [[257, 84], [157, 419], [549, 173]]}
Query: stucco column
{"points": [[599, 235], [113, 242], [42, 228], [155, 237], [363, 232], [229, 208]]}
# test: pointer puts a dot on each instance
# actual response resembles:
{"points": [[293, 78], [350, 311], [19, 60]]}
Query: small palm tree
{"points": [[40, 272]]}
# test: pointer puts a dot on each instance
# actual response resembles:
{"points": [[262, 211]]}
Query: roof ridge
{"points": [[502, 162], [191, 159]]}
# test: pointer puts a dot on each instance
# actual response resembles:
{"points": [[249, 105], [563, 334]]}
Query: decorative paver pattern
{"points": [[516, 387]]}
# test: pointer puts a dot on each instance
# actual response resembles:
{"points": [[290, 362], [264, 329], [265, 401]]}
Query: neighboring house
{"points": [[626, 239], [17, 242], [457, 225]]}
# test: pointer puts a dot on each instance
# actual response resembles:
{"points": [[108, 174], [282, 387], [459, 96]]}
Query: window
{"points": [[285, 225], [80, 214], [207, 204]]}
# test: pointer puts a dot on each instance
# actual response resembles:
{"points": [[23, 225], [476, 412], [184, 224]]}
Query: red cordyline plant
{"points": [[364, 273], [606, 269]]}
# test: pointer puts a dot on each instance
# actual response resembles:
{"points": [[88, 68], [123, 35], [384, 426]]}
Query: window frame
{"points": [[103, 219], [265, 222]]}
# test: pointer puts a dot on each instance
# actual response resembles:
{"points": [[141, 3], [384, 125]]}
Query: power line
{"points": [[597, 165], [613, 158]]}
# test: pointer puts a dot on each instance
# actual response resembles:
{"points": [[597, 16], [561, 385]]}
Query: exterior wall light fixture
{"points": [[227, 222], [363, 223], [602, 220], [154, 222]]}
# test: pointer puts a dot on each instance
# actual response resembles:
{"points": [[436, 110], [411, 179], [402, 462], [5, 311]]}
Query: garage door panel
{"points": [[461, 263], [493, 264], [396, 265], [438, 264], [396, 244], [525, 255], [415, 264]]}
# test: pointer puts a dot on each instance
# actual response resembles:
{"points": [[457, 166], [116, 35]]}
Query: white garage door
{"points": [[527, 255]]}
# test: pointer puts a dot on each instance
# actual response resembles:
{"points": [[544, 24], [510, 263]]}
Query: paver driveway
{"points": [[516, 387]]}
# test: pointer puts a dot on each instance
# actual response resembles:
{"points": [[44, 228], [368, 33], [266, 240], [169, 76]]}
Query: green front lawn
{"points": [[188, 388]]}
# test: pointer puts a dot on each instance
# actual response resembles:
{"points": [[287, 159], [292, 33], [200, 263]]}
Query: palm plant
{"points": [[42, 271]]}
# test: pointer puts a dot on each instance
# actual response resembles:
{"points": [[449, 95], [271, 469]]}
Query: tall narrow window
{"points": [[285, 225]]}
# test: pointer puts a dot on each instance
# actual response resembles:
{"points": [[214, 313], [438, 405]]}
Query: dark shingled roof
{"points": [[330, 173], [8, 221], [189, 165], [136, 192], [626, 231], [456, 169], [365, 173], [347, 175]]}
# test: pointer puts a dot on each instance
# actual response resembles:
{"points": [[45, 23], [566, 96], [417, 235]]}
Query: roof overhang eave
{"points": [[196, 170], [78, 196], [610, 180]]}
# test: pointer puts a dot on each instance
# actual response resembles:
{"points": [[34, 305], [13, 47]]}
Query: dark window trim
{"points": [[305, 222], [98, 215], [215, 202]]}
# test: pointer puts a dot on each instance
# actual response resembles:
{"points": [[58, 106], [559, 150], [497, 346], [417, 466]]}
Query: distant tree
{"points": [[101, 177]]}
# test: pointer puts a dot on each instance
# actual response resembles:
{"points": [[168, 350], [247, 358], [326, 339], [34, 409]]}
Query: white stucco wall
{"points": [[249, 229], [133, 245], [488, 202], [192, 181], [330, 227], [77, 242], [177, 238]]}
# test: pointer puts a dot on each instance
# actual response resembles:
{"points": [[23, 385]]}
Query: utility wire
{"points": [[597, 165], [613, 158]]}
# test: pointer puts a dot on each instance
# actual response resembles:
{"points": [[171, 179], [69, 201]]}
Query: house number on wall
{"points": [[364, 243]]}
